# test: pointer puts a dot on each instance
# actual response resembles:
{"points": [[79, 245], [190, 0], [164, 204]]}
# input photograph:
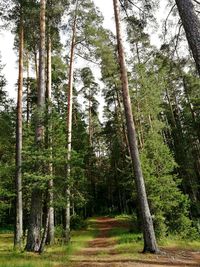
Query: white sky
{"points": [[9, 61], [9, 58]]}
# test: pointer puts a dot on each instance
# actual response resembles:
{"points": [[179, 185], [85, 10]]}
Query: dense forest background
{"points": [[60, 160]]}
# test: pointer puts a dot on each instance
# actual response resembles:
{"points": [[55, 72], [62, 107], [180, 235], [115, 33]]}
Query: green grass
{"points": [[130, 240], [176, 242], [57, 255], [129, 244]]}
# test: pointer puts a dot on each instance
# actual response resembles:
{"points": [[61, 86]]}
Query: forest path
{"points": [[103, 251]]}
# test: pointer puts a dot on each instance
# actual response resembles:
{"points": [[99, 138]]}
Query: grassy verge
{"points": [[129, 241], [57, 255]]}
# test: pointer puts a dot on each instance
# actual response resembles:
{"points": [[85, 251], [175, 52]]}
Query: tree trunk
{"points": [[33, 238], [148, 229], [18, 180], [69, 126], [46, 227], [50, 236], [191, 26], [36, 64], [28, 92], [35, 222]]}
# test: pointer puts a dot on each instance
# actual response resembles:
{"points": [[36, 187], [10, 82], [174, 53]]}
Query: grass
{"points": [[129, 241], [57, 255], [129, 244], [176, 242]]}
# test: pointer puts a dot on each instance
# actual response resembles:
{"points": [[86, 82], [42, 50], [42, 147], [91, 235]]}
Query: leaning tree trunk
{"points": [[34, 238], [150, 244], [69, 126], [191, 26], [18, 180]]}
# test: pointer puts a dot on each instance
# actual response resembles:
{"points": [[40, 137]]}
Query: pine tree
{"points": [[148, 229], [34, 231], [191, 26], [19, 208]]}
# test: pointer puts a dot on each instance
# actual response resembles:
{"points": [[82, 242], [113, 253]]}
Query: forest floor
{"points": [[112, 247], [112, 242]]}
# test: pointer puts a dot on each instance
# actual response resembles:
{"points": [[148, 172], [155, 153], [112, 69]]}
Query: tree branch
{"points": [[89, 60], [165, 24], [122, 5], [197, 2], [137, 7], [177, 37]]}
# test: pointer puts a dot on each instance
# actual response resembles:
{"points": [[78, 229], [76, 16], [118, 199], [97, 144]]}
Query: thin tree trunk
{"points": [[69, 126], [44, 237], [90, 119], [194, 119], [33, 238], [191, 26], [36, 64], [28, 92], [18, 180], [50, 236], [150, 244]]}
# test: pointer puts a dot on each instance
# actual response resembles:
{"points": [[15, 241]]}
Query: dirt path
{"points": [[102, 252]]}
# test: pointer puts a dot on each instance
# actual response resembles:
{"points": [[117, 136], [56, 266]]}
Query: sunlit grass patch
{"points": [[130, 242], [103, 254], [176, 242], [127, 244], [80, 239], [56, 255], [124, 217]]}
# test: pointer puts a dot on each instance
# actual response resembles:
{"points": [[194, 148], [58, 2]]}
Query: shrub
{"points": [[77, 222]]}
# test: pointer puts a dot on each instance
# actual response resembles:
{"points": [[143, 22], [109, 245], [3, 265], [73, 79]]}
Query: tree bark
{"points": [[28, 92], [35, 222], [69, 125], [150, 244], [18, 180], [33, 238], [50, 235], [46, 227], [191, 26]]}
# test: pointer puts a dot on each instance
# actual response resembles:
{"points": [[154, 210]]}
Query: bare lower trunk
{"points": [[191, 26], [44, 237], [67, 217], [69, 126], [35, 222], [148, 229], [18, 180]]}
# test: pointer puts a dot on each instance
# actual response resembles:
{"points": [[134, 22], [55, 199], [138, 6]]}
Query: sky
{"points": [[9, 57]]}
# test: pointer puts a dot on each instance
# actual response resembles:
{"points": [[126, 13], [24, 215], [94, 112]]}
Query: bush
{"points": [[185, 230], [160, 226], [59, 231], [77, 222]]}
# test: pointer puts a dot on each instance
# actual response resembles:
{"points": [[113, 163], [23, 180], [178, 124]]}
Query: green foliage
{"points": [[165, 99], [77, 222], [7, 154], [169, 206]]}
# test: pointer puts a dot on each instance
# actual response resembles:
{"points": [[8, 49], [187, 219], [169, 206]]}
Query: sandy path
{"points": [[101, 252]]}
